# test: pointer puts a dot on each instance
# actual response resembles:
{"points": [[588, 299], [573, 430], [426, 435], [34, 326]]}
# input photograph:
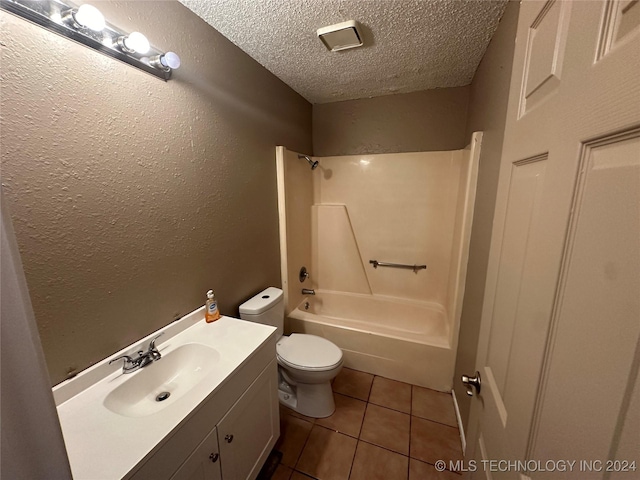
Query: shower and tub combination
{"points": [[384, 241]]}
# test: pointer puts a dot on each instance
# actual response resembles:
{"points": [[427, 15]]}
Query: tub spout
{"points": [[308, 291]]}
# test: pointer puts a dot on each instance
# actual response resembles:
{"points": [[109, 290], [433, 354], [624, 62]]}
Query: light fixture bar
{"points": [[53, 15]]}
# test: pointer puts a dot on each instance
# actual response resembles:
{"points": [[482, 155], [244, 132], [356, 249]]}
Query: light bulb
{"points": [[136, 42], [89, 17], [166, 61], [170, 60]]}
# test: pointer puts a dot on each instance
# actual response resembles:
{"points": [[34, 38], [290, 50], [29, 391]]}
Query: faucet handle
{"points": [[127, 359], [153, 351], [303, 275], [152, 343]]}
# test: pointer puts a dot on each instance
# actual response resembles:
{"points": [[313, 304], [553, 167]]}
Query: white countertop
{"points": [[102, 444]]}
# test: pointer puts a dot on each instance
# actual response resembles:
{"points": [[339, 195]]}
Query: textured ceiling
{"points": [[410, 45]]}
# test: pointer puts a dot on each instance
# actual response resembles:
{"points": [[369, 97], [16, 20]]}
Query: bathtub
{"points": [[400, 339]]}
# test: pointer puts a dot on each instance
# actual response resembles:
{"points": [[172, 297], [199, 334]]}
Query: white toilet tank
{"points": [[267, 308]]}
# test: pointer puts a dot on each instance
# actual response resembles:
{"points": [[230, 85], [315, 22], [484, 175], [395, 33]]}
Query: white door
{"points": [[559, 350]]}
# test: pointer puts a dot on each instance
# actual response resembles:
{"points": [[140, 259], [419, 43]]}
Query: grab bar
{"points": [[415, 268]]}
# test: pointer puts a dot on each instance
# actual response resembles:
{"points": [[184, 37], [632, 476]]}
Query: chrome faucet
{"points": [[142, 360], [308, 291]]}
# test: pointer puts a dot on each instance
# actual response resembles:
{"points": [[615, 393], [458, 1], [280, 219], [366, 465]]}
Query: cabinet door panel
{"points": [[203, 463], [249, 430]]}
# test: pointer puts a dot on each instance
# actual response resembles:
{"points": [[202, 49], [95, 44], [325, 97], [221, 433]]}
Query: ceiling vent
{"points": [[341, 36]]}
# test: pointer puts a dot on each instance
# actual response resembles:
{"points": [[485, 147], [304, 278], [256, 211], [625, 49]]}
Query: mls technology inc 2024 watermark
{"points": [[525, 466]]}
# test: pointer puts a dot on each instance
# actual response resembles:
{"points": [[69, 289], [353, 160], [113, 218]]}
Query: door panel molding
{"points": [[620, 22], [536, 158], [546, 41], [587, 164], [524, 198]]}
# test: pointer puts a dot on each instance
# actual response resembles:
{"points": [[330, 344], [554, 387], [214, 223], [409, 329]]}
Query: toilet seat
{"points": [[308, 352]]}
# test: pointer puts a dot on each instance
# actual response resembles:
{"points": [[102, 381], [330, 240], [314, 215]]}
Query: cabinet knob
{"points": [[228, 438], [214, 457]]}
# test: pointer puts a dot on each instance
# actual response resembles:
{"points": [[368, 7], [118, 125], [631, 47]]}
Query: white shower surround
{"points": [[395, 323]]}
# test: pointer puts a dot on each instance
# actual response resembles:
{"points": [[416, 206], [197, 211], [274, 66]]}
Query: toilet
{"points": [[306, 363]]}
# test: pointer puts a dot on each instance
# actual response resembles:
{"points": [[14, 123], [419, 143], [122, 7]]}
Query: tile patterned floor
{"points": [[381, 429]]}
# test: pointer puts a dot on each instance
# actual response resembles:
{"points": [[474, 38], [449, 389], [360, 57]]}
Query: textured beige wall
{"points": [[487, 113], [130, 196], [429, 120]]}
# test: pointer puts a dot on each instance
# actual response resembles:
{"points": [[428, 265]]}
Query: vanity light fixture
{"points": [[86, 24]]}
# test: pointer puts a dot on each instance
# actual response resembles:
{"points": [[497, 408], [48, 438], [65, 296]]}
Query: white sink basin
{"points": [[175, 374]]}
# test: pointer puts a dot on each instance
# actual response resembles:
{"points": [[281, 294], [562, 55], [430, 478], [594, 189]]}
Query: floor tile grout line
{"points": [[306, 475], [350, 436], [383, 448], [409, 457], [303, 446], [430, 419], [362, 424], [353, 460], [362, 421], [337, 431], [435, 421], [399, 381], [390, 379], [312, 421], [402, 454], [351, 396], [359, 439], [390, 408], [334, 431], [368, 390]]}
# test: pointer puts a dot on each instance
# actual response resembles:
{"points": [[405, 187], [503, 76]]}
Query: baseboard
{"points": [[463, 440]]}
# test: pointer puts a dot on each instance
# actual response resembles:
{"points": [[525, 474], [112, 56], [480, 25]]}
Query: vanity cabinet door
{"points": [[249, 430], [203, 463]]}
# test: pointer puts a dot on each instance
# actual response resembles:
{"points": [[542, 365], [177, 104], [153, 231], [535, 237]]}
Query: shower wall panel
{"points": [[462, 230], [295, 197], [402, 209], [336, 259]]}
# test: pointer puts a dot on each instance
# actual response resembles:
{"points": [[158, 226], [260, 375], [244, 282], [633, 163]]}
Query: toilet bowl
{"points": [[306, 363]]}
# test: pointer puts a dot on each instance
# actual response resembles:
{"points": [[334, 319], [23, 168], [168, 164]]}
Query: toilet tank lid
{"points": [[262, 302]]}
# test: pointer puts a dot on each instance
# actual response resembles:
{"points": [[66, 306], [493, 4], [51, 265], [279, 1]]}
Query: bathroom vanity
{"points": [[218, 421]]}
